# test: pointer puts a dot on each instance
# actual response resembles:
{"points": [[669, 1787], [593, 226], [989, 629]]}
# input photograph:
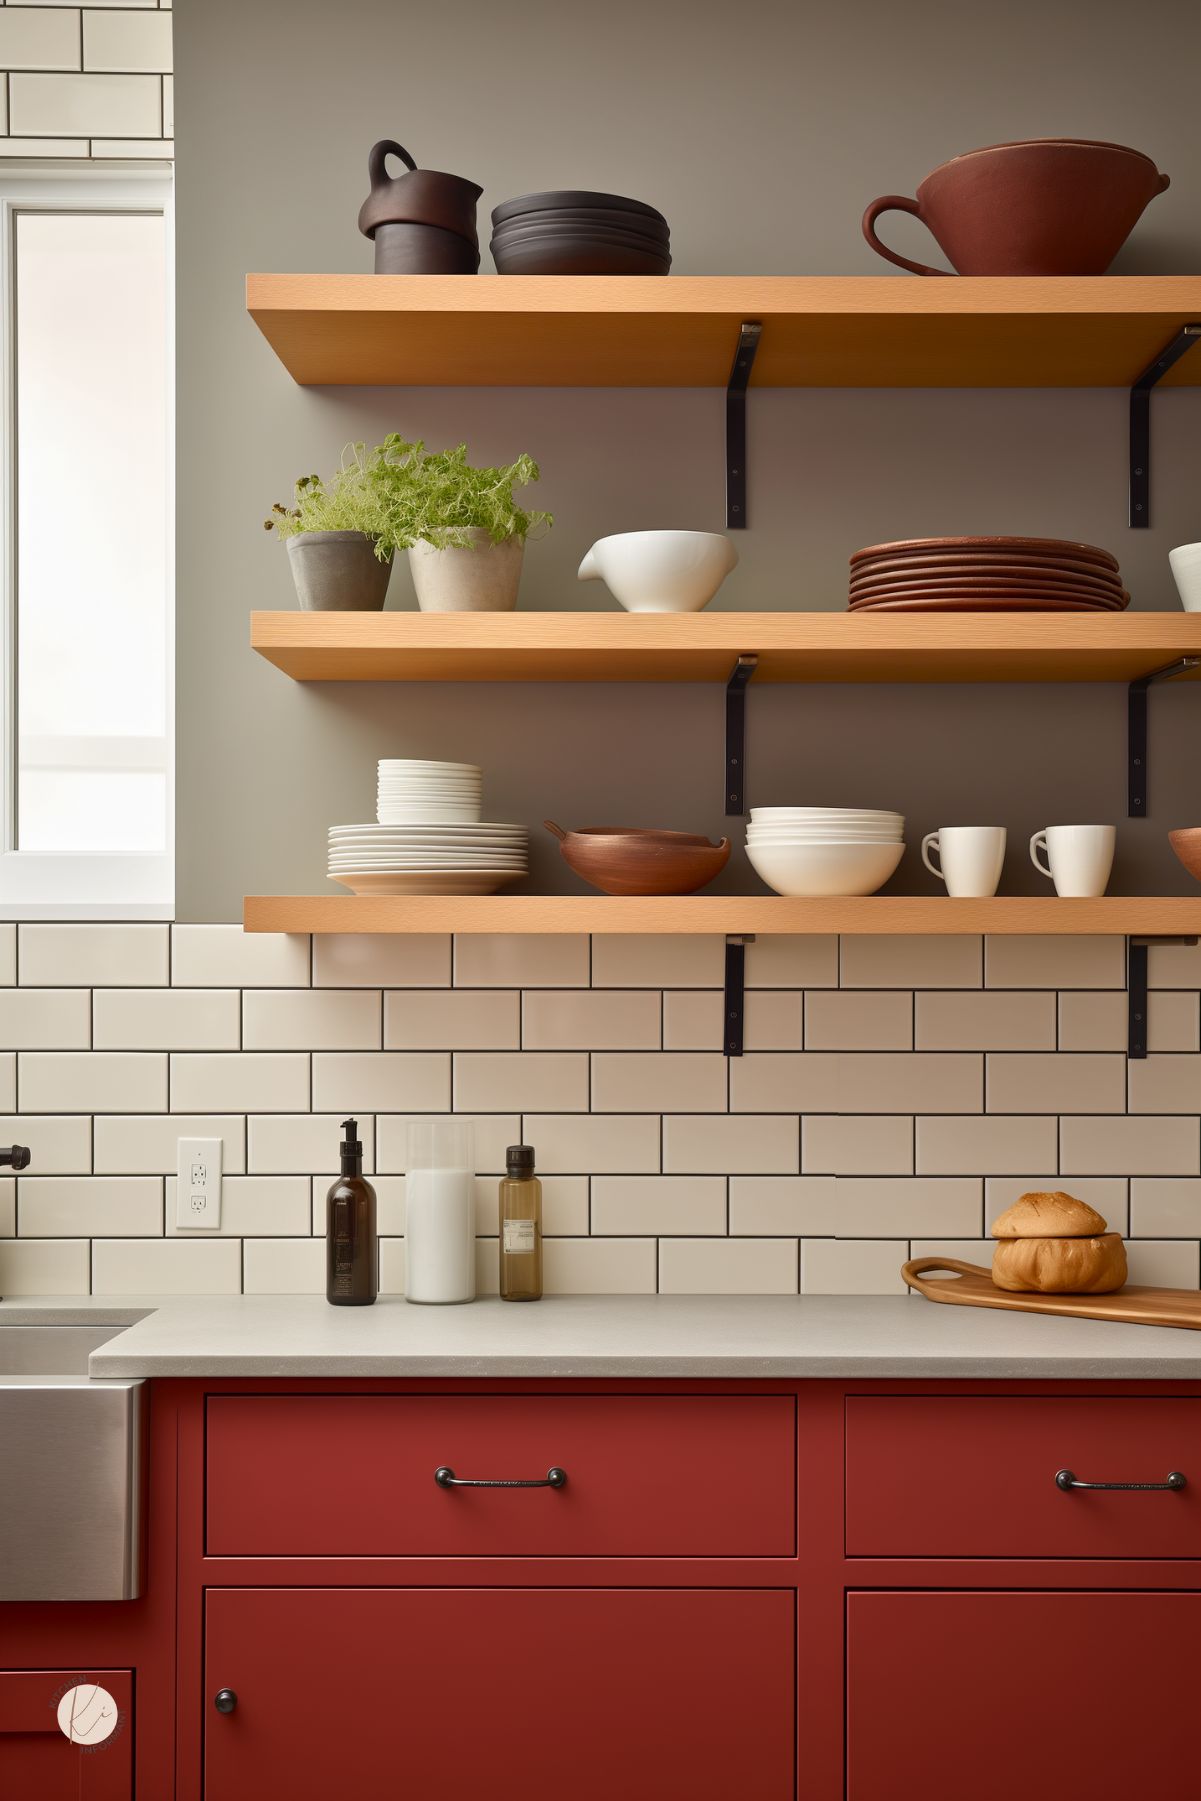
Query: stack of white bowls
{"points": [[817, 851], [429, 838]]}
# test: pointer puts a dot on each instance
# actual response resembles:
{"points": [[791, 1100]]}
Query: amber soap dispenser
{"points": [[520, 1227], [351, 1239]]}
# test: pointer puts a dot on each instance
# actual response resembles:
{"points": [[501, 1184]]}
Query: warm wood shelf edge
{"points": [[1168, 916], [574, 646]]}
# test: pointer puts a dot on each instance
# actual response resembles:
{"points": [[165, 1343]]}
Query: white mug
{"points": [[1080, 857], [971, 857]]}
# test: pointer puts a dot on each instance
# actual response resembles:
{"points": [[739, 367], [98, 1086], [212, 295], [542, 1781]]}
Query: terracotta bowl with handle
{"points": [[627, 860], [1187, 845]]}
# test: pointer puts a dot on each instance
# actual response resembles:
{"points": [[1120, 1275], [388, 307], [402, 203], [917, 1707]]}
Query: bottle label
{"points": [[519, 1237]]}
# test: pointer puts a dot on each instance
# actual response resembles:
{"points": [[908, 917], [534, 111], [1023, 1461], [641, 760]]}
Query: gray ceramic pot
{"points": [[337, 572]]}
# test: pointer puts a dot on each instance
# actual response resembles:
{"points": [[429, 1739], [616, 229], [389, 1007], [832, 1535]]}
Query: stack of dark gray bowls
{"points": [[571, 233]]}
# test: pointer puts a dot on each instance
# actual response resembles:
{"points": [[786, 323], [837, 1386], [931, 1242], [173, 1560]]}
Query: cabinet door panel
{"points": [[505, 1693], [1030, 1695], [38, 1762]]}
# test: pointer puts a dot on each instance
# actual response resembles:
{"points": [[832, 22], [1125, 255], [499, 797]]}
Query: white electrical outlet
{"points": [[198, 1184]]}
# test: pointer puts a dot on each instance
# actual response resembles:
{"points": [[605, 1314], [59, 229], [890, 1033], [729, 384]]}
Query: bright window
{"points": [[88, 640]]}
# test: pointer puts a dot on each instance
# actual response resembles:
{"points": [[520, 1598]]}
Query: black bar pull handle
{"points": [[1065, 1482], [446, 1478]]}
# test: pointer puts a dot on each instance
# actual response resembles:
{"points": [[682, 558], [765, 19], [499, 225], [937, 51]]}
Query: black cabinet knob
{"points": [[225, 1700]]}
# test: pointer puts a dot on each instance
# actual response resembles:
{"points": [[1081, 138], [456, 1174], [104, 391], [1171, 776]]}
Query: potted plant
{"points": [[339, 550], [463, 530]]}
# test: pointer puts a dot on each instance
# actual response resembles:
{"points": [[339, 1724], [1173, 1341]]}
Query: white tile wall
{"points": [[86, 81], [901, 1111]]}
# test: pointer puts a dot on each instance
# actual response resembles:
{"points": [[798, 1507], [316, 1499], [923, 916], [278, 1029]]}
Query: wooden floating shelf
{"points": [[827, 331], [1166, 916], [703, 647]]}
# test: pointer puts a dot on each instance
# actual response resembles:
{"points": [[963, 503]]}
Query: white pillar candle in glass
{"points": [[440, 1211]]}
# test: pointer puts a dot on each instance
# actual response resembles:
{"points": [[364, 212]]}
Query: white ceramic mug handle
{"points": [[930, 841], [1037, 843]]}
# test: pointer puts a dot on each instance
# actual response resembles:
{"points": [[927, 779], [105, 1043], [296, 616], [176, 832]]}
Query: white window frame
{"points": [[64, 886]]}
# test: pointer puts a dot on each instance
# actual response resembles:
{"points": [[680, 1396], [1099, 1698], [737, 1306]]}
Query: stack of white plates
{"points": [[412, 792], [818, 851], [445, 858]]}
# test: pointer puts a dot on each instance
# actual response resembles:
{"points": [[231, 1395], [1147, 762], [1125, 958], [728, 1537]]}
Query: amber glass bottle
{"points": [[520, 1227], [351, 1244]]}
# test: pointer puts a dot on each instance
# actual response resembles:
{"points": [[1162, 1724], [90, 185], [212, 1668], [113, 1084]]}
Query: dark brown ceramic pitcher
{"points": [[1053, 206], [423, 222]]}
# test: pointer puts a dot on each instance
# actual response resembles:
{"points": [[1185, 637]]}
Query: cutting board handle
{"points": [[913, 1271]]}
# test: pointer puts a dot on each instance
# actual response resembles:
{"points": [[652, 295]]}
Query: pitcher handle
{"points": [[377, 161], [894, 203]]}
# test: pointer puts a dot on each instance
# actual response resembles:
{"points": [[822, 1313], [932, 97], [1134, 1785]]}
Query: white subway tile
{"points": [[965, 1250], [1102, 1145], [693, 1020], [785, 1082], [594, 1144], [8, 1081], [1057, 1082], [8, 1207], [305, 1144], [749, 1144], [917, 962], [992, 1144], [128, 106], [452, 1019], [859, 1020], [81, 1206], [1055, 962], [983, 1019], [126, 40], [591, 1019], [782, 1206], [658, 1205], [1106, 1193], [166, 1266], [129, 1145], [366, 960], [517, 960], [520, 1081], [843, 1266], [598, 1266], [132, 149], [310, 1019], [166, 1019], [45, 147], [92, 956], [373, 1081], [46, 1266], [169, 106], [728, 1266], [228, 957], [917, 1082], [1162, 1264], [779, 960], [239, 1082], [657, 960], [253, 1206], [1165, 1084], [1165, 1207], [92, 1081], [60, 1144], [493, 1133], [50, 1019], [283, 1266], [658, 1082], [36, 37], [866, 1145], [877, 1207], [1099, 1021], [1173, 966], [8, 955], [564, 1205]]}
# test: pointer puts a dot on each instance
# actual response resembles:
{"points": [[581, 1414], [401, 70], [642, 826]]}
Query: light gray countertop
{"points": [[611, 1335]]}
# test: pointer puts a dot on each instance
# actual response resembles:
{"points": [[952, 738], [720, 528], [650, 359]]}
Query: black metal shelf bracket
{"points": [[1140, 421], [734, 999], [1136, 991], [1137, 783], [749, 335], [740, 675]]}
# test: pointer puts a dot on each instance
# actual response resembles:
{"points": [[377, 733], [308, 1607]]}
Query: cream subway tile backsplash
{"points": [[299, 1019], [1174, 966], [901, 1111], [127, 106], [94, 956], [39, 37], [128, 149], [170, 1019], [116, 39]]}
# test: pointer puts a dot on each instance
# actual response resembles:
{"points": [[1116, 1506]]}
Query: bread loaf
{"points": [[1054, 1215], [1060, 1265]]}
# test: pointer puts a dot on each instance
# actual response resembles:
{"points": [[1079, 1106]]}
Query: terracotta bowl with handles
{"points": [[627, 860]]}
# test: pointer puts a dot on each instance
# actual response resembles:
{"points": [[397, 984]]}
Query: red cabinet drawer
{"points": [[353, 1475], [40, 1762], [505, 1693], [1043, 1697], [974, 1476]]}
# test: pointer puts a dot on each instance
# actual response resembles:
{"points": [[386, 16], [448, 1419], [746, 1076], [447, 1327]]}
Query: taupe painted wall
{"points": [[761, 130]]}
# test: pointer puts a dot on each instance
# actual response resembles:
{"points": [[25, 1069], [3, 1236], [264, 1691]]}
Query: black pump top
{"points": [[519, 1160], [352, 1150]]}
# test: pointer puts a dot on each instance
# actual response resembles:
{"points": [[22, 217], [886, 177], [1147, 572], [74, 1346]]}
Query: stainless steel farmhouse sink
{"points": [[72, 1456]]}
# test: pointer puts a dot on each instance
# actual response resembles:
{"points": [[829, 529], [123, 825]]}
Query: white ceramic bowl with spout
{"points": [[661, 572]]}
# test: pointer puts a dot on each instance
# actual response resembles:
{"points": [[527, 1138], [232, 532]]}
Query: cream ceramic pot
{"points": [[661, 572]]}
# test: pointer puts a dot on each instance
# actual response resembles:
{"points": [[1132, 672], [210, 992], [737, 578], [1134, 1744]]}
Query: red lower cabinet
{"points": [[1038, 1696], [86, 1757], [509, 1693]]}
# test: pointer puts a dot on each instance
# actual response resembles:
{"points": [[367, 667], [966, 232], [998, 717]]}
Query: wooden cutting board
{"points": [[1133, 1305]]}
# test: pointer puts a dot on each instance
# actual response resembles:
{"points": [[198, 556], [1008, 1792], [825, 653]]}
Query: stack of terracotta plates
{"points": [[986, 575]]}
